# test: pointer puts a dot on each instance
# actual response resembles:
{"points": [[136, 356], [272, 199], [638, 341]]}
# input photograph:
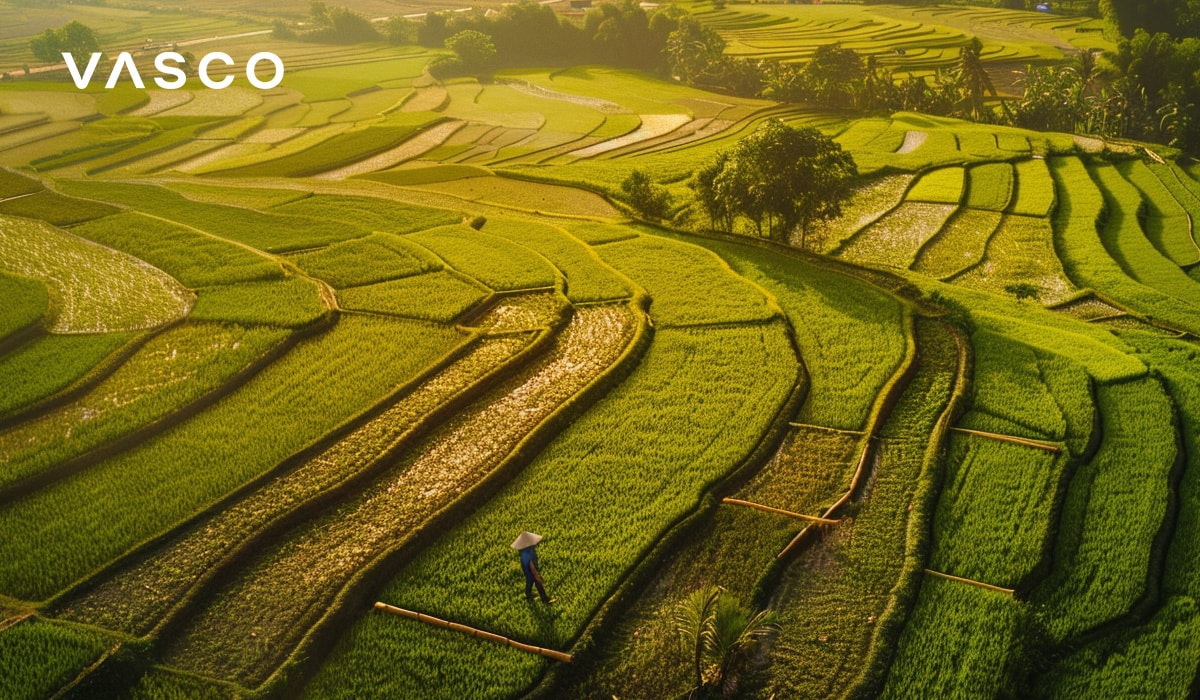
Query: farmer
{"points": [[526, 544]]}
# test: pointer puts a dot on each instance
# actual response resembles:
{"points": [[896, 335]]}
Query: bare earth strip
{"points": [[253, 624], [912, 141], [416, 146], [136, 598], [653, 126]]}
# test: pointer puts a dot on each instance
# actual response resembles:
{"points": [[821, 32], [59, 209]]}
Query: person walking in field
{"points": [[526, 544]]}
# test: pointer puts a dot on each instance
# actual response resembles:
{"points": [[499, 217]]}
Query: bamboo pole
{"points": [[780, 511], [473, 632], [1026, 442], [980, 584], [827, 428]]}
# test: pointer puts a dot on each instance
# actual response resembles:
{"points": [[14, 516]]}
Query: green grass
{"points": [[1085, 257], [263, 230], [54, 208], [710, 292], [1158, 654], [989, 186], [1173, 242], [37, 657], [50, 363], [437, 296], [614, 463], [995, 511], [77, 525], [1125, 240], [587, 277], [851, 336], [173, 369], [1100, 571], [288, 303], [409, 175], [249, 197], [1166, 221], [941, 186], [959, 641], [1010, 396], [375, 213], [376, 258], [343, 149], [192, 257], [1034, 188], [25, 303], [594, 233], [14, 184], [496, 262]]}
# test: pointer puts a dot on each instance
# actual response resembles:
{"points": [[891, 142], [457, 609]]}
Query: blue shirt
{"points": [[528, 559]]}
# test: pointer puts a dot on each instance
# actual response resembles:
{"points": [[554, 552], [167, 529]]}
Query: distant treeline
{"points": [[1148, 89]]}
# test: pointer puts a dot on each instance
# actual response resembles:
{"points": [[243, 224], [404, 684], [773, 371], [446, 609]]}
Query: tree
{"points": [[695, 53], [648, 198], [834, 77], [719, 636], [779, 178], [475, 50], [973, 79], [74, 38]]}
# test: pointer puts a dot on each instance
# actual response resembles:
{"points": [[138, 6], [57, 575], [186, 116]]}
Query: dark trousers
{"points": [[530, 582]]}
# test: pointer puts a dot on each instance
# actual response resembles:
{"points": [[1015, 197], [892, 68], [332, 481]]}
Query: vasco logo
{"points": [[168, 64]]}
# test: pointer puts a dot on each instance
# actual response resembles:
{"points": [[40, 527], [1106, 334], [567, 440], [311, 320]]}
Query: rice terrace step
{"points": [[808, 350]]}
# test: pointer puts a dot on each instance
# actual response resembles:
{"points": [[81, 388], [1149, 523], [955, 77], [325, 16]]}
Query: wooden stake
{"points": [[473, 632], [780, 511], [1026, 442], [980, 584]]}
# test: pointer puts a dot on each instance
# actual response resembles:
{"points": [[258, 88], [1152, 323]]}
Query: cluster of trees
{"points": [[74, 38], [526, 33], [780, 180]]}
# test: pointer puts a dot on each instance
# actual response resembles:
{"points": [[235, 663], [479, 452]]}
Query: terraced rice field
{"points": [[268, 357]]}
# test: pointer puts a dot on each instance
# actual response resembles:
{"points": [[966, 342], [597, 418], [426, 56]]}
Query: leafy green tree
{"points": [[834, 77], [644, 195], [474, 49], [74, 38], [779, 178], [695, 53]]}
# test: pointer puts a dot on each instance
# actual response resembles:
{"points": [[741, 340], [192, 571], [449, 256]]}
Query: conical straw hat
{"points": [[526, 539]]}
